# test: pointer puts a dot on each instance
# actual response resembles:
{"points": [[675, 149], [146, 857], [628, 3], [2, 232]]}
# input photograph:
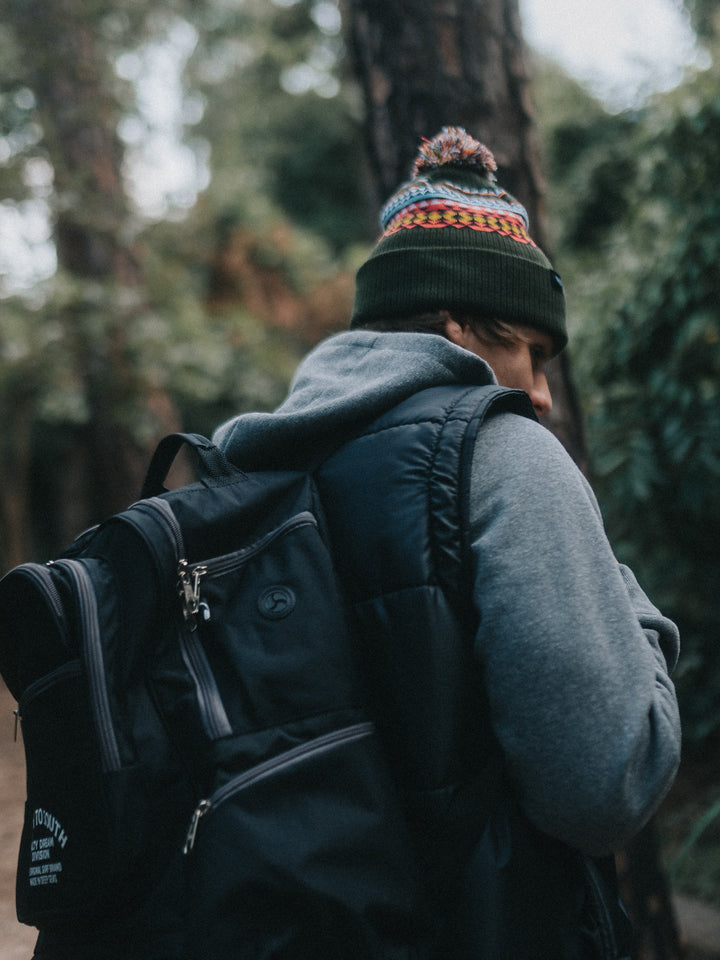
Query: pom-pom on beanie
{"points": [[454, 240]]}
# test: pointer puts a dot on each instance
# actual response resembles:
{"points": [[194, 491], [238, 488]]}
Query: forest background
{"points": [[145, 309]]}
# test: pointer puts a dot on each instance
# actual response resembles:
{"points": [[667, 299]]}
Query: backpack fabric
{"points": [[206, 776]]}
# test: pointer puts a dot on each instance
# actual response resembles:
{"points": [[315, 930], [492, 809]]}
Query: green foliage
{"points": [[282, 125], [315, 179], [213, 367], [646, 270], [589, 155], [705, 17], [691, 844], [213, 363]]}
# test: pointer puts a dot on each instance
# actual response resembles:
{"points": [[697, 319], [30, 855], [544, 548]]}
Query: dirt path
{"points": [[16, 940]]}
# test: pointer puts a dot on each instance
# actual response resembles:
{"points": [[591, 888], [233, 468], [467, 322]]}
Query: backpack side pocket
{"points": [[63, 851], [85, 796]]}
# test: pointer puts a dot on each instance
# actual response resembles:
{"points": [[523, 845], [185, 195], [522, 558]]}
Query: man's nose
{"points": [[540, 395]]}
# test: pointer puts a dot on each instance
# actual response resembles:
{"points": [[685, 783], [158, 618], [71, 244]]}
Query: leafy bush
{"points": [[649, 365]]}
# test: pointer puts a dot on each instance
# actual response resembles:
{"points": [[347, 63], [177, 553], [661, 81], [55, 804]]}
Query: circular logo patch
{"points": [[276, 602]]}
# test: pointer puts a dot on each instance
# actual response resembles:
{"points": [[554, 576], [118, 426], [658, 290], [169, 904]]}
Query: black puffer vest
{"points": [[396, 503], [396, 500]]}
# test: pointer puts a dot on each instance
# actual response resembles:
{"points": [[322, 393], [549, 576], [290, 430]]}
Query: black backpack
{"points": [[202, 780]]}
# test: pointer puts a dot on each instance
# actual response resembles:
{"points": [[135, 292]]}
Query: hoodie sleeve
{"points": [[575, 657]]}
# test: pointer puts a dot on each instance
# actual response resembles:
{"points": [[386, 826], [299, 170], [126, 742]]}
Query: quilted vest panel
{"points": [[395, 498]]}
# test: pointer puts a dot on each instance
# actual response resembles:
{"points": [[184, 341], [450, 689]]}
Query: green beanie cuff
{"points": [[405, 282]]}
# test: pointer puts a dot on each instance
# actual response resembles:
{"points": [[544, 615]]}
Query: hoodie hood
{"points": [[342, 385]]}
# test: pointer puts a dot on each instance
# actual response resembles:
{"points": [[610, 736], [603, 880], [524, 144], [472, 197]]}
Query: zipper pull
{"points": [[17, 717], [200, 811], [189, 590]]}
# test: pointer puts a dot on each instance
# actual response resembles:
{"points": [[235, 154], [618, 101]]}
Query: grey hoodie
{"points": [[575, 656]]}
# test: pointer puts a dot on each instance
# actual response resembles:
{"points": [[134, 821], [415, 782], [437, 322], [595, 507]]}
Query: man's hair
{"points": [[486, 328]]}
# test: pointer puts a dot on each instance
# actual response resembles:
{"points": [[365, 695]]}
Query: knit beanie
{"points": [[454, 240]]}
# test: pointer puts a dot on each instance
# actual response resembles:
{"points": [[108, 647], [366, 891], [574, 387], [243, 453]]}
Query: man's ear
{"points": [[455, 333]]}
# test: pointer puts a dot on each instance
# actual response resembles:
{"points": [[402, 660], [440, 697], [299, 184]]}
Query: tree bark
{"points": [[426, 64], [15, 480], [75, 87]]}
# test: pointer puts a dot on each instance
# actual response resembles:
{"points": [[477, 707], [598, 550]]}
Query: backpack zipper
{"points": [[170, 521], [72, 668], [94, 662], [212, 710], [274, 765], [44, 579], [192, 574], [188, 587], [68, 670]]}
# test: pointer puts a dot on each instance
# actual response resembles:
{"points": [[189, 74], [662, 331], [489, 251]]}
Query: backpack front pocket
{"points": [[302, 855], [272, 626]]}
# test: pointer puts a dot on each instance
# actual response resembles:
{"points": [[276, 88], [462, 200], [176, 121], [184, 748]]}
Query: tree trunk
{"points": [[434, 63], [15, 480], [425, 64], [75, 86]]}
